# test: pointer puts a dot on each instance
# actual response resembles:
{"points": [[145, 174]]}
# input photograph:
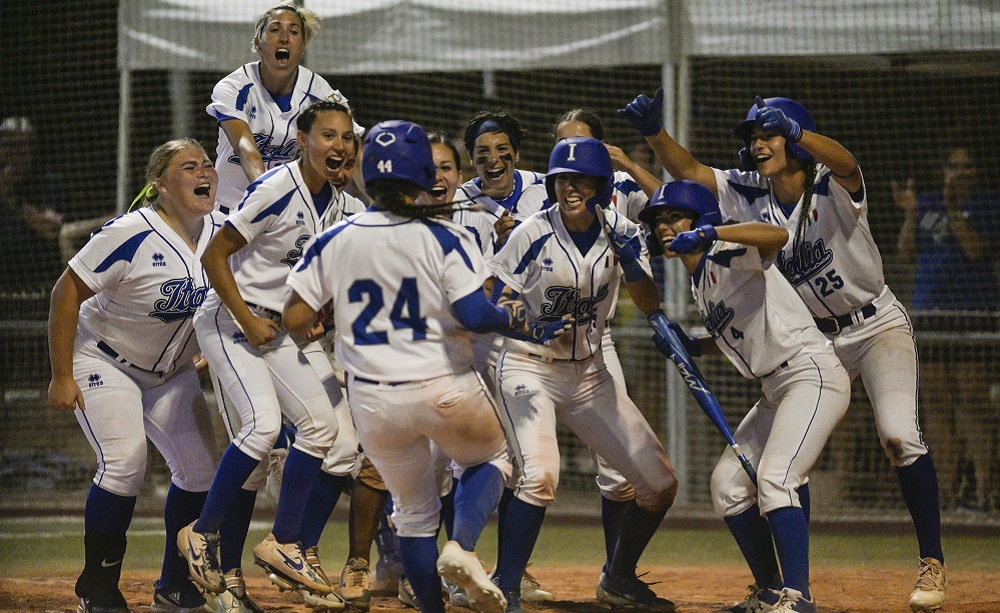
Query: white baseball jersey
{"points": [[241, 95], [278, 216], [480, 223], [626, 197], [541, 262], [149, 284], [838, 267], [393, 281], [751, 311]]}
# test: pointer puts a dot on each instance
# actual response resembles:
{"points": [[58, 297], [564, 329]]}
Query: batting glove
{"points": [[541, 332], [699, 239], [516, 312], [644, 113], [771, 119]]}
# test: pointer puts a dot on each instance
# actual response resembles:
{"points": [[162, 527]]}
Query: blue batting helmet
{"points": [[585, 156], [687, 195], [398, 149], [791, 109]]}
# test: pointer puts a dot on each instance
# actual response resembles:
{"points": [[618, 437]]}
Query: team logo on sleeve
{"points": [[295, 254], [158, 259], [717, 317], [802, 266], [181, 299], [564, 300]]}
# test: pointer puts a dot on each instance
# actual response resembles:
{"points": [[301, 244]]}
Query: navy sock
{"points": [[106, 520], [502, 506], [301, 471], [477, 494], [234, 529], [419, 556], [180, 509], [642, 524], [805, 499], [791, 539], [612, 512], [919, 484], [448, 510], [522, 524], [322, 500], [234, 468], [753, 536]]}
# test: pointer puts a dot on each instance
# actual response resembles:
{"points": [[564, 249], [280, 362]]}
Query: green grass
{"points": [[33, 547]]}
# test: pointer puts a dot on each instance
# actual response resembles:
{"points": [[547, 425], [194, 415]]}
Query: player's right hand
{"points": [[517, 313], [65, 394], [261, 331], [645, 113], [503, 226], [699, 239]]}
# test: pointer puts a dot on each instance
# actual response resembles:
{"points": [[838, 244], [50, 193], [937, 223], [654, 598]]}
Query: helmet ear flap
{"points": [[747, 162]]}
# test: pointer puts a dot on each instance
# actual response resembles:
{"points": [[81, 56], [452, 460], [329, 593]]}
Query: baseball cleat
{"points": [[354, 580], [202, 554], [630, 592], [311, 555], [179, 597], [235, 599], [405, 594], [288, 565], [105, 601], [793, 601], [463, 568], [531, 590], [929, 592], [759, 600]]}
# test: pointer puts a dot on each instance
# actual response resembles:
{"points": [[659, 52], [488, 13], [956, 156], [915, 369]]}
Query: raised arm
{"points": [[241, 138], [64, 312], [644, 114], [647, 182]]}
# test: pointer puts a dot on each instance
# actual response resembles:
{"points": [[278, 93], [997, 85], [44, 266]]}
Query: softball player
{"points": [[810, 184], [257, 104], [629, 199], [262, 370], [404, 289], [755, 319], [122, 343], [561, 262]]}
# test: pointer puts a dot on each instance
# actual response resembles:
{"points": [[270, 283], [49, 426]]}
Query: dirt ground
{"points": [[693, 589]]}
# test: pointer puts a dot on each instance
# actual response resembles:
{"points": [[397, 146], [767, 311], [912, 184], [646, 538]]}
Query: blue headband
{"points": [[491, 125]]}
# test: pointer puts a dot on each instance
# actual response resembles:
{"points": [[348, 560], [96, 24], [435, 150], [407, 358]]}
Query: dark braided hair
{"points": [[800, 228], [392, 195]]}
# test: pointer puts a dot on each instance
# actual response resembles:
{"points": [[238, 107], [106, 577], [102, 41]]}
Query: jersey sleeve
{"points": [[512, 263], [734, 205], [229, 97], [256, 213], [463, 270], [634, 200], [308, 275], [839, 193], [737, 256], [107, 257], [634, 234]]}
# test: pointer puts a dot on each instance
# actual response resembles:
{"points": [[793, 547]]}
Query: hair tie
{"points": [[147, 192]]}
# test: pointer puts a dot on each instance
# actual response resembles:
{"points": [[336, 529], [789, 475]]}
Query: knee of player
{"points": [[777, 484], [317, 434], [124, 474], [660, 495], [539, 488], [902, 451], [731, 488]]}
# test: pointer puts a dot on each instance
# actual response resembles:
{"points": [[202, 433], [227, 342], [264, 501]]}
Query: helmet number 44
{"points": [[385, 166]]}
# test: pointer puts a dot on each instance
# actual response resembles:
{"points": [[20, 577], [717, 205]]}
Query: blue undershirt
{"points": [[323, 198], [586, 239]]}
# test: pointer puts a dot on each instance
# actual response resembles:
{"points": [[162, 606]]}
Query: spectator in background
{"points": [[953, 235], [28, 196]]}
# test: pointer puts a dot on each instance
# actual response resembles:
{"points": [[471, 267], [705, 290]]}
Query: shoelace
{"points": [[357, 575], [929, 577]]}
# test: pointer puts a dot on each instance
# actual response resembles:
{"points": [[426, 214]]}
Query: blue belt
{"points": [[373, 382], [114, 355], [834, 325]]}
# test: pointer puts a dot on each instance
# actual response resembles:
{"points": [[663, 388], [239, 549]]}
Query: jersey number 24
{"points": [[405, 311]]}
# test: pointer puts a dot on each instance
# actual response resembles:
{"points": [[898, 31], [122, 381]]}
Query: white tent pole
{"points": [[124, 126]]}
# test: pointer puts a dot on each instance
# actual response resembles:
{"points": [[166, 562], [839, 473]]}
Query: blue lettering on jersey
{"points": [[158, 259], [717, 318], [271, 153], [567, 300], [294, 254], [810, 259], [94, 380], [239, 338], [182, 299]]}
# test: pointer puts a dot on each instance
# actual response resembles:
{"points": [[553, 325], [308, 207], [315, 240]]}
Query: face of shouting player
{"points": [[494, 158], [188, 183], [768, 151], [667, 224], [449, 175], [329, 151], [283, 43]]}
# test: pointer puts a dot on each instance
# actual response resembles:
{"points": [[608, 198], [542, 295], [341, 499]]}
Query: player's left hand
{"points": [[542, 332], [517, 314], [200, 363], [626, 253], [771, 119], [699, 239], [645, 113], [503, 227]]}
